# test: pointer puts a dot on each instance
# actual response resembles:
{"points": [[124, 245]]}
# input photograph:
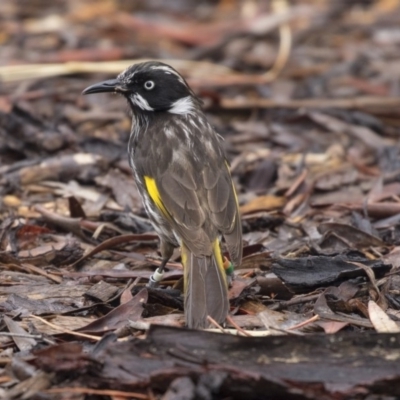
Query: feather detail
{"points": [[154, 194], [206, 290]]}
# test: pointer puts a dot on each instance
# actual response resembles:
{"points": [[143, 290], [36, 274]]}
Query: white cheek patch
{"points": [[182, 106], [140, 102]]}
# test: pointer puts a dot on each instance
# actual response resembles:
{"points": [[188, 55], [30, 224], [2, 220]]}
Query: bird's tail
{"points": [[206, 289]]}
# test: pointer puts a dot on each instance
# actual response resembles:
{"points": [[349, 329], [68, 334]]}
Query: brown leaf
{"points": [[119, 316], [263, 203], [356, 237], [23, 343]]}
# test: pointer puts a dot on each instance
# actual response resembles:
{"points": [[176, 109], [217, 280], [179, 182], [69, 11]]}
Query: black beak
{"points": [[101, 87]]}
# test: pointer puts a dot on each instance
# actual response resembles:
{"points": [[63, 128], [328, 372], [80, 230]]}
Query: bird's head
{"points": [[150, 87]]}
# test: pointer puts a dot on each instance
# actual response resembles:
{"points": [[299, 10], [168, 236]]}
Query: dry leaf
{"points": [[380, 320], [263, 203]]}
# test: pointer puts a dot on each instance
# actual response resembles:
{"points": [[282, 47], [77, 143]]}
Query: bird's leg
{"points": [[166, 250]]}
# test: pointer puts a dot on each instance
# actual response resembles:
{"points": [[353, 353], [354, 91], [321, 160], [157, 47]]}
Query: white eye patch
{"points": [[139, 101]]}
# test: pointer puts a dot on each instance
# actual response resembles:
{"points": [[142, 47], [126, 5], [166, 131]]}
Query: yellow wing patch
{"points": [[154, 194], [218, 258]]}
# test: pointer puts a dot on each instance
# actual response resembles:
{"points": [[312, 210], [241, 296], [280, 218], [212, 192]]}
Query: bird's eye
{"points": [[149, 85]]}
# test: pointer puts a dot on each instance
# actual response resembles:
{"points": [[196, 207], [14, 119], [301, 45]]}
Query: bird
{"points": [[182, 173]]}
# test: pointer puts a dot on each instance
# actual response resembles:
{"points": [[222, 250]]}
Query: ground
{"points": [[306, 96]]}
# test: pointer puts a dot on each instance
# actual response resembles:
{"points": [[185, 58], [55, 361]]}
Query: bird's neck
{"points": [[154, 122]]}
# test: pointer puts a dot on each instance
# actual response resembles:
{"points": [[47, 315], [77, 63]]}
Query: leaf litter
{"points": [[305, 94]]}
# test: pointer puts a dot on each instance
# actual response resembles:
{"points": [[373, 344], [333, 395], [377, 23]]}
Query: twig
{"points": [[12, 73], [294, 301], [361, 102], [301, 324], [215, 323], [285, 43], [114, 241], [235, 325], [21, 335], [234, 332], [64, 330], [105, 392]]}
